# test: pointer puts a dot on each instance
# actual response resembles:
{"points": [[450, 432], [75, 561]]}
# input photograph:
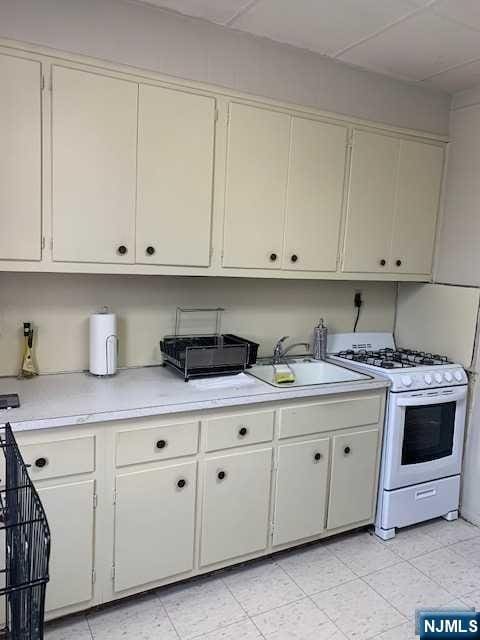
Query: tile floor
{"points": [[349, 587]]}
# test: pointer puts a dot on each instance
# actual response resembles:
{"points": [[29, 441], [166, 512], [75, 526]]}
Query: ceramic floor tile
{"points": [[363, 553], [262, 586], [452, 571], [358, 610], [315, 569], [72, 628], [411, 542], [451, 532], [297, 621], [472, 599], [469, 549], [143, 618], [403, 632], [200, 607], [244, 630], [407, 589]]}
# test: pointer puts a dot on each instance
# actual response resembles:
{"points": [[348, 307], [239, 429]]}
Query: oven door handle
{"points": [[455, 396]]}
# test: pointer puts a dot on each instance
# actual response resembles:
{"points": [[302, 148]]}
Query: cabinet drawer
{"points": [[60, 458], [234, 431], [327, 416], [158, 443]]}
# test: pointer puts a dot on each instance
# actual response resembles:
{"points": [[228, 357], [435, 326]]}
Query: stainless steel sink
{"points": [[308, 372]]}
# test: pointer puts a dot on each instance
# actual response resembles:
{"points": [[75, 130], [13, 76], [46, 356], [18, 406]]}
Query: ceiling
{"points": [[432, 42]]}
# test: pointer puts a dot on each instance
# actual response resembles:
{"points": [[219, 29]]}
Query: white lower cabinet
{"points": [[301, 490], [70, 514], [353, 480], [154, 524], [236, 500]]}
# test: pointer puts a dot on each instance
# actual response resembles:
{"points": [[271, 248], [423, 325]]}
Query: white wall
{"points": [[149, 38], [59, 306], [458, 256]]}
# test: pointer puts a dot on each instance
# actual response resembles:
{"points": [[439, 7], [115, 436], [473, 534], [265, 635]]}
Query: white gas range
{"points": [[424, 428]]}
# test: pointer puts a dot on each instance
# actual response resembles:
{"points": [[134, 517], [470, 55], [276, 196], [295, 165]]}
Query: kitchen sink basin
{"points": [[307, 373]]}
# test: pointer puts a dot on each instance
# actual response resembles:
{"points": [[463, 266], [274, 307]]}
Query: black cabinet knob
{"points": [[242, 431], [317, 456], [273, 257], [161, 444], [221, 475], [383, 262], [150, 250], [347, 450], [398, 263], [122, 249], [181, 483], [294, 258], [40, 462]]}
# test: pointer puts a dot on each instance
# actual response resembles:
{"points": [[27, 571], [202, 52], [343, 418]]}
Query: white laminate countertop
{"points": [[65, 399]]}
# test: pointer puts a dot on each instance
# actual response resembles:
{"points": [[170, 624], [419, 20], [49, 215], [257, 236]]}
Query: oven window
{"points": [[428, 432]]}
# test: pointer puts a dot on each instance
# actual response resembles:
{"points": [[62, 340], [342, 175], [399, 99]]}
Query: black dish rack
{"points": [[27, 547], [207, 355]]}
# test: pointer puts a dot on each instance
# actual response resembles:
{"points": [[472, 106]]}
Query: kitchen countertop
{"points": [[66, 399]]}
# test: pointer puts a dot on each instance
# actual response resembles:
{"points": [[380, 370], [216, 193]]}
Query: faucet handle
{"points": [[283, 339]]}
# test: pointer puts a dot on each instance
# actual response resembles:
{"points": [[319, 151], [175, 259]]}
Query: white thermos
{"points": [[103, 343]]}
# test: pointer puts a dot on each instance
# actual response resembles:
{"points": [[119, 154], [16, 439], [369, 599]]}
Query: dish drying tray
{"points": [[27, 547], [204, 354]]}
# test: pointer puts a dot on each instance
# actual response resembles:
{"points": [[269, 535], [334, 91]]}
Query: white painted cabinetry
{"points": [[20, 159], [175, 177], [284, 191], [393, 199], [94, 148]]}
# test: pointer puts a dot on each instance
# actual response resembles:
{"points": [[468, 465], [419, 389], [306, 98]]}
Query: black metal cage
{"points": [[27, 546]]}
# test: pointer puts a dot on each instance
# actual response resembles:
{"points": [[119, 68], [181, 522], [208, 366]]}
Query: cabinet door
{"points": [[353, 487], [175, 174], [314, 196], [154, 524], [235, 505], [301, 486], [371, 201], [418, 193], [256, 180], [70, 515], [20, 160], [94, 138]]}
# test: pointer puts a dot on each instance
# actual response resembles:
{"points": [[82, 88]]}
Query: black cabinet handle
{"points": [[150, 250], [242, 431], [122, 249], [317, 456], [383, 262], [161, 444], [273, 257], [181, 483], [347, 450], [398, 263], [221, 475], [41, 462], [294, 258]]}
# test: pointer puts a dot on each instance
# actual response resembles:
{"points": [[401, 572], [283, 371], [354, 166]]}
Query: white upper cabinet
{"points": [[20, 160], [175, 176], [393, 200], [314, 195], [256, 180], [419, 183], [94, 139], [371, 200]]}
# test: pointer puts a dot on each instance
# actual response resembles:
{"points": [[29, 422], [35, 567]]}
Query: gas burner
{"points": [[394, 358]]}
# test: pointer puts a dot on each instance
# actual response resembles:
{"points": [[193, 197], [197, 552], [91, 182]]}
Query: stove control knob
{"points": [[458, 376], [407, 381], [428, 379], [448, 376], [438, 377]]}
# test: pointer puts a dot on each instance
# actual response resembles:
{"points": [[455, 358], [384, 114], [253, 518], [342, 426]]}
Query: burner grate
{"points": [[394, 359]]}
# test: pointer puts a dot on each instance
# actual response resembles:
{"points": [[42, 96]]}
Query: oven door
{"points": [[424, 436]]}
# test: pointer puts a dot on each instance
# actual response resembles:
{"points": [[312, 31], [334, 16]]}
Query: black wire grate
{"points": [[27, 547]]}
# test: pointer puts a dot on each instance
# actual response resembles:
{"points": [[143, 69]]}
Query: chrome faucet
{"points": [[279, 352]]}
